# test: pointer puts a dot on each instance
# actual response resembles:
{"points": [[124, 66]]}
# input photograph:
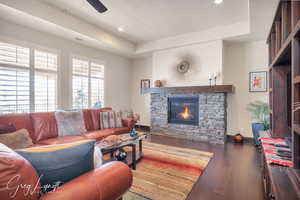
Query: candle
{"points": [[215, 75], [209, 76]]}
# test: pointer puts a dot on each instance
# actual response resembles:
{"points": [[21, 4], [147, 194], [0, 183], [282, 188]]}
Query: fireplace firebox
{"points": [[183, 110]]}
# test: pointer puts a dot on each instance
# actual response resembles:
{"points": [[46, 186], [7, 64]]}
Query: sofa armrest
{"points": [[109, 182], [129, 122]]}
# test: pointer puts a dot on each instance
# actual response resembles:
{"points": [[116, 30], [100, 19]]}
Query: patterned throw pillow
{"points": [[110, 120], [119, 120], [104, 120], [70, 123]]}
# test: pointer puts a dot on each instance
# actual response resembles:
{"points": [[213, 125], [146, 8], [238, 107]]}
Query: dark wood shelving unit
{"points": [[284, 92]]}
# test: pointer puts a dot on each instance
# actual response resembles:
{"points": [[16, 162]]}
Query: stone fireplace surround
{"points": [[212, 117]]}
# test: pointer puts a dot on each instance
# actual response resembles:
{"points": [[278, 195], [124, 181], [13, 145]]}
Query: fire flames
{"points": [[186, 113]]}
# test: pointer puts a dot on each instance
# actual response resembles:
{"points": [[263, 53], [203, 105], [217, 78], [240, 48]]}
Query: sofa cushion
{"points": [[95, 114], [61, 140], [70, 123], [118, 131], [20, 121], [17, 171], [98, 135], [44, 125], [16, 140], [58, 164], [7, 128]]}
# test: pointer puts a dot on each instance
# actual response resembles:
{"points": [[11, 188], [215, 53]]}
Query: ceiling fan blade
{"points": [[98, 5]]}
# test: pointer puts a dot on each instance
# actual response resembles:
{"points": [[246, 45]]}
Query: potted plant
{"points": [[260, 112]]}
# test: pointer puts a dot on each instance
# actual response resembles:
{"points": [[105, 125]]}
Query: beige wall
{"points": [[117, 68], [140, 103], [205, 59], [239, 60]]}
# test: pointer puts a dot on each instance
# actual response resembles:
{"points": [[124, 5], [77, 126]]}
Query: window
{"points": [[88, 84], [14, 79], [24, 87], [45, 82]]}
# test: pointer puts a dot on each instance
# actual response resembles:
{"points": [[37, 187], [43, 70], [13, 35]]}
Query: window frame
{"points": [[31, 68], [89, 60], [48, 71]]}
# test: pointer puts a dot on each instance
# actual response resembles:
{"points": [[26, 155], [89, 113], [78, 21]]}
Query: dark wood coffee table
{"points": [[128, 141]]}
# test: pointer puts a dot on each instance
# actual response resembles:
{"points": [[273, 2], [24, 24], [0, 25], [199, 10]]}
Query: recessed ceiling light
{"points": [[78, 39], [120, 29], [218, 1]]}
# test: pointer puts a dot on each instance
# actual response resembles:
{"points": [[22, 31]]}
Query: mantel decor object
{"points": [[209, 78], [183, 67], [215, 77], [158, 83]]}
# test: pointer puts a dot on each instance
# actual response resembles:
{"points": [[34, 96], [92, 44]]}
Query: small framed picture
{"points": [[258, 81], [145, 83]]}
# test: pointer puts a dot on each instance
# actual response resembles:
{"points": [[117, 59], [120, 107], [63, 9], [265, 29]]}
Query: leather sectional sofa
{"points": [[42, 127], [109, 182]]}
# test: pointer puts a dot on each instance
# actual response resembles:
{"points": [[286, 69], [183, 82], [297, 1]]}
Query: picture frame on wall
{"points": [[145, 83], [258, 81]]}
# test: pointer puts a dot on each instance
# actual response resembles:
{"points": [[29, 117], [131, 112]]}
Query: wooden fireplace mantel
{"points": [[190, 89]]}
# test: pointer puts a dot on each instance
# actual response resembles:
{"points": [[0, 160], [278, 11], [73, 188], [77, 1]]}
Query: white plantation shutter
{"points": [[80, 84], [88, 83], [14, 90], [14, 79], [15, 55], [45, 81], [97, 83]]}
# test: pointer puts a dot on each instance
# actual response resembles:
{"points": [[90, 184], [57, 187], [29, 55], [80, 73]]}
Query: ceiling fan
{"points": [[98, 5]]}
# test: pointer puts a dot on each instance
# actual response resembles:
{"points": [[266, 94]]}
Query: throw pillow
{"points": [[7, 128], [70, 123], [104, 120], [119, 123], [110, 119], [58, 164], [16, 140]]}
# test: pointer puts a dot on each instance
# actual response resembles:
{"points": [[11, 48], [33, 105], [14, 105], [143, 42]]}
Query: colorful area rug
{"points": [[167, 172]]}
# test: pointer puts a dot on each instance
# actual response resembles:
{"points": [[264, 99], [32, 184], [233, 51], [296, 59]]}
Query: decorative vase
{"points": [[238, 138], [157, 83], [256, 128], [133, 133]]}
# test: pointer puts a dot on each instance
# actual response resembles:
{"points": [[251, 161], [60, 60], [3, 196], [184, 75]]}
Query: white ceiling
{"points": [[146, 20], [149, 25]]}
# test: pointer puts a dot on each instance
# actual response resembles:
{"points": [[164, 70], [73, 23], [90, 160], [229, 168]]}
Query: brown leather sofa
{"points": [[43, 127], [19, 181], [109, 182]]}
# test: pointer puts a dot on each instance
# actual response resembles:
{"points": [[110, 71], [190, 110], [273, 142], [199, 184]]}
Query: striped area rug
{"points": [[167, 172]]}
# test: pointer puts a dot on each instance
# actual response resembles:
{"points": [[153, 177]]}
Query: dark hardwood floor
{"points": [[234, 172]]}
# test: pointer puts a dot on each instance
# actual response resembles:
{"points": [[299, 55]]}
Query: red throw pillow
{"points": [[7, 128]]}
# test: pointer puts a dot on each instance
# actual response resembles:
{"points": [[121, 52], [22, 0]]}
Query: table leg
{"points": [[140, 148], [133, 157], [111, 155]]}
